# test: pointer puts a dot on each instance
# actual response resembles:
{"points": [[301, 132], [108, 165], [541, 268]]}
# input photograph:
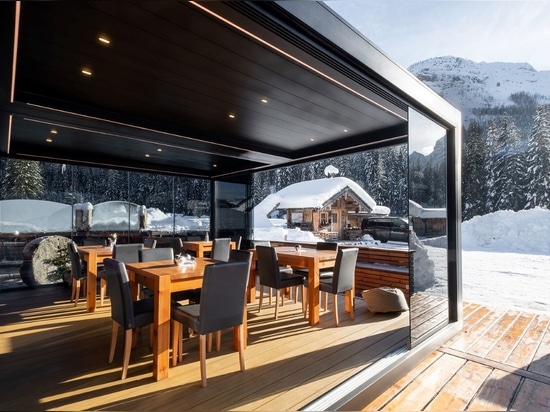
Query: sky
{"points": [[409, 31]]}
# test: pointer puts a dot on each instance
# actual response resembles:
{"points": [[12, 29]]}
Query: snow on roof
{"points": [[308, 194], [417, 210]]}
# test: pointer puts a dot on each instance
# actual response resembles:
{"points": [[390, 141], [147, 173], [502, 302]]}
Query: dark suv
{"points": [[386, 228]]}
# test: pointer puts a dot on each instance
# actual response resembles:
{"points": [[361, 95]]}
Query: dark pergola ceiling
{"points": [[170, 78]]}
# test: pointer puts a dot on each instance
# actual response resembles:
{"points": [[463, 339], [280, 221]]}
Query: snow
{"points": [[505, 257]]}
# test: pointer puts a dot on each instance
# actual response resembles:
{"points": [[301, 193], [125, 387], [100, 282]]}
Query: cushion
{"points": [[385, 299]]}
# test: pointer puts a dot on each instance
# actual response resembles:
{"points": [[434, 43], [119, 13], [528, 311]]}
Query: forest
{"points": [[505, 166]]}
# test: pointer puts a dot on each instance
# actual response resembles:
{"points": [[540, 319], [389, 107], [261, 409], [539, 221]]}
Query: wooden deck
{"points": [[499, 362], [54, 357]]}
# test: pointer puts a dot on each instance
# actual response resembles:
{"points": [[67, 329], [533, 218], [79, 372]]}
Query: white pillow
{"points": [[385, 299]]}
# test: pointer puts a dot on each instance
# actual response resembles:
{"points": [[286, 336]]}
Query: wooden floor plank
{"points": [[510, 339], [493, 334], [541, 361], [496, 393], [420, 392], [461, 389], [533, 397], [523, 354]]}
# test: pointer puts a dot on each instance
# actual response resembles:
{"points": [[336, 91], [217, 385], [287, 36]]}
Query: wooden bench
{"points": [[378, 267]]}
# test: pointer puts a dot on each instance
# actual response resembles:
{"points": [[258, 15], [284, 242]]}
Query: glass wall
{"points": [[88, 205]]}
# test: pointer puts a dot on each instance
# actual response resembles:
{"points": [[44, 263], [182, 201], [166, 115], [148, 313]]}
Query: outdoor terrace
{"points": [[54, 356]]}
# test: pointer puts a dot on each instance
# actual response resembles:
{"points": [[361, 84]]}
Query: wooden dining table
{"points": [[200, 247], [163, 278], [93, 255], [313, 260]]}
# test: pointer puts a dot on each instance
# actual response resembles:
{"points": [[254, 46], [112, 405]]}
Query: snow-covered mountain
{"points": [[469, 85]]}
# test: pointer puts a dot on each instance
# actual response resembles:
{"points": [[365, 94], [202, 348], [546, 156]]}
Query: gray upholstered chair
{"points": [[274, 276], [78, 274], [125, 312], [222, 306], [127, 253], [150, 242], [177, 245], [221, 248], [342, 279], [151, 255]]}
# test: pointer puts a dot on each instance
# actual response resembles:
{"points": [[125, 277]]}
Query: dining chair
{"points": [[150, 243], [342, 279], [125, 312], [222, 306], [150, 255], [127, 253], [176, 244], [324, 272], [221, 248], [274, 276], [78, 273]]}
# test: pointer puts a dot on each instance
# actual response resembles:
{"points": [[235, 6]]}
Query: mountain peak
{"points": [[469, 85]]}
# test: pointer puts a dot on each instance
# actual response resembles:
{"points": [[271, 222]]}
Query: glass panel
{"points": [[428, 226], [232, 204]]}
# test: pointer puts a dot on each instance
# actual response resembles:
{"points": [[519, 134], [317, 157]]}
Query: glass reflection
{"points": [[428, 224]]}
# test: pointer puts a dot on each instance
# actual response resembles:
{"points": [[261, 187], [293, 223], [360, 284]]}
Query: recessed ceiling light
{"points": [[86, 71], [312, 139], [104, 40], [49, 139], [147, 155], [214, 165], [264, 100], [346, 130], [231, 116], [53, 131], [159, 149]]}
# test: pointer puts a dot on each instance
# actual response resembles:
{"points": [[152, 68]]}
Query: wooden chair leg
{"points": [[113, 342], [102, 290], [335, 308], [241, 347], [176, 328], [77, 291], [202, 355], [73, 289], [261, 298], [209, 342], [127, 349], [325, 303], [276, 304], [218, 340]]}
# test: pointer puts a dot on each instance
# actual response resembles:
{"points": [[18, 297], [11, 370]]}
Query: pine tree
{"points": [[22, 179], [508, 167], [538, 161], [474, 174]]}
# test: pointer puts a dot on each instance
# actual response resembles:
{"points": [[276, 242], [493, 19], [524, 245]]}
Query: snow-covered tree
{"points": [[474, 174], [538, 161], [22, 179]]}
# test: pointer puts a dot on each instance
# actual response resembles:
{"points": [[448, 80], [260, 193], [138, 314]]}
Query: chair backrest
{"points": [[76, 263], [151, 255], [127, 253], [122, 309], [344, 270], [150, 243], [241, 256], [221, 248], [256, 243], [177, 245], [92, 241], [326, 246], [223, 295], [238, 240], [268, 266]]}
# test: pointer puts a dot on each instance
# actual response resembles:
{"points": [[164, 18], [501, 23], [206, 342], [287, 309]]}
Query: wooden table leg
{"points": [[313, 291], [161, 329], [91, 280]]}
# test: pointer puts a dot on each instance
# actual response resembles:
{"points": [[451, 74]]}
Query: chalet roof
{"points": [[315, 194]]}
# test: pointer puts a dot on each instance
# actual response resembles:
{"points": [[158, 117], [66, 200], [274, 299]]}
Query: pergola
{"points": [[215, 90]]}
